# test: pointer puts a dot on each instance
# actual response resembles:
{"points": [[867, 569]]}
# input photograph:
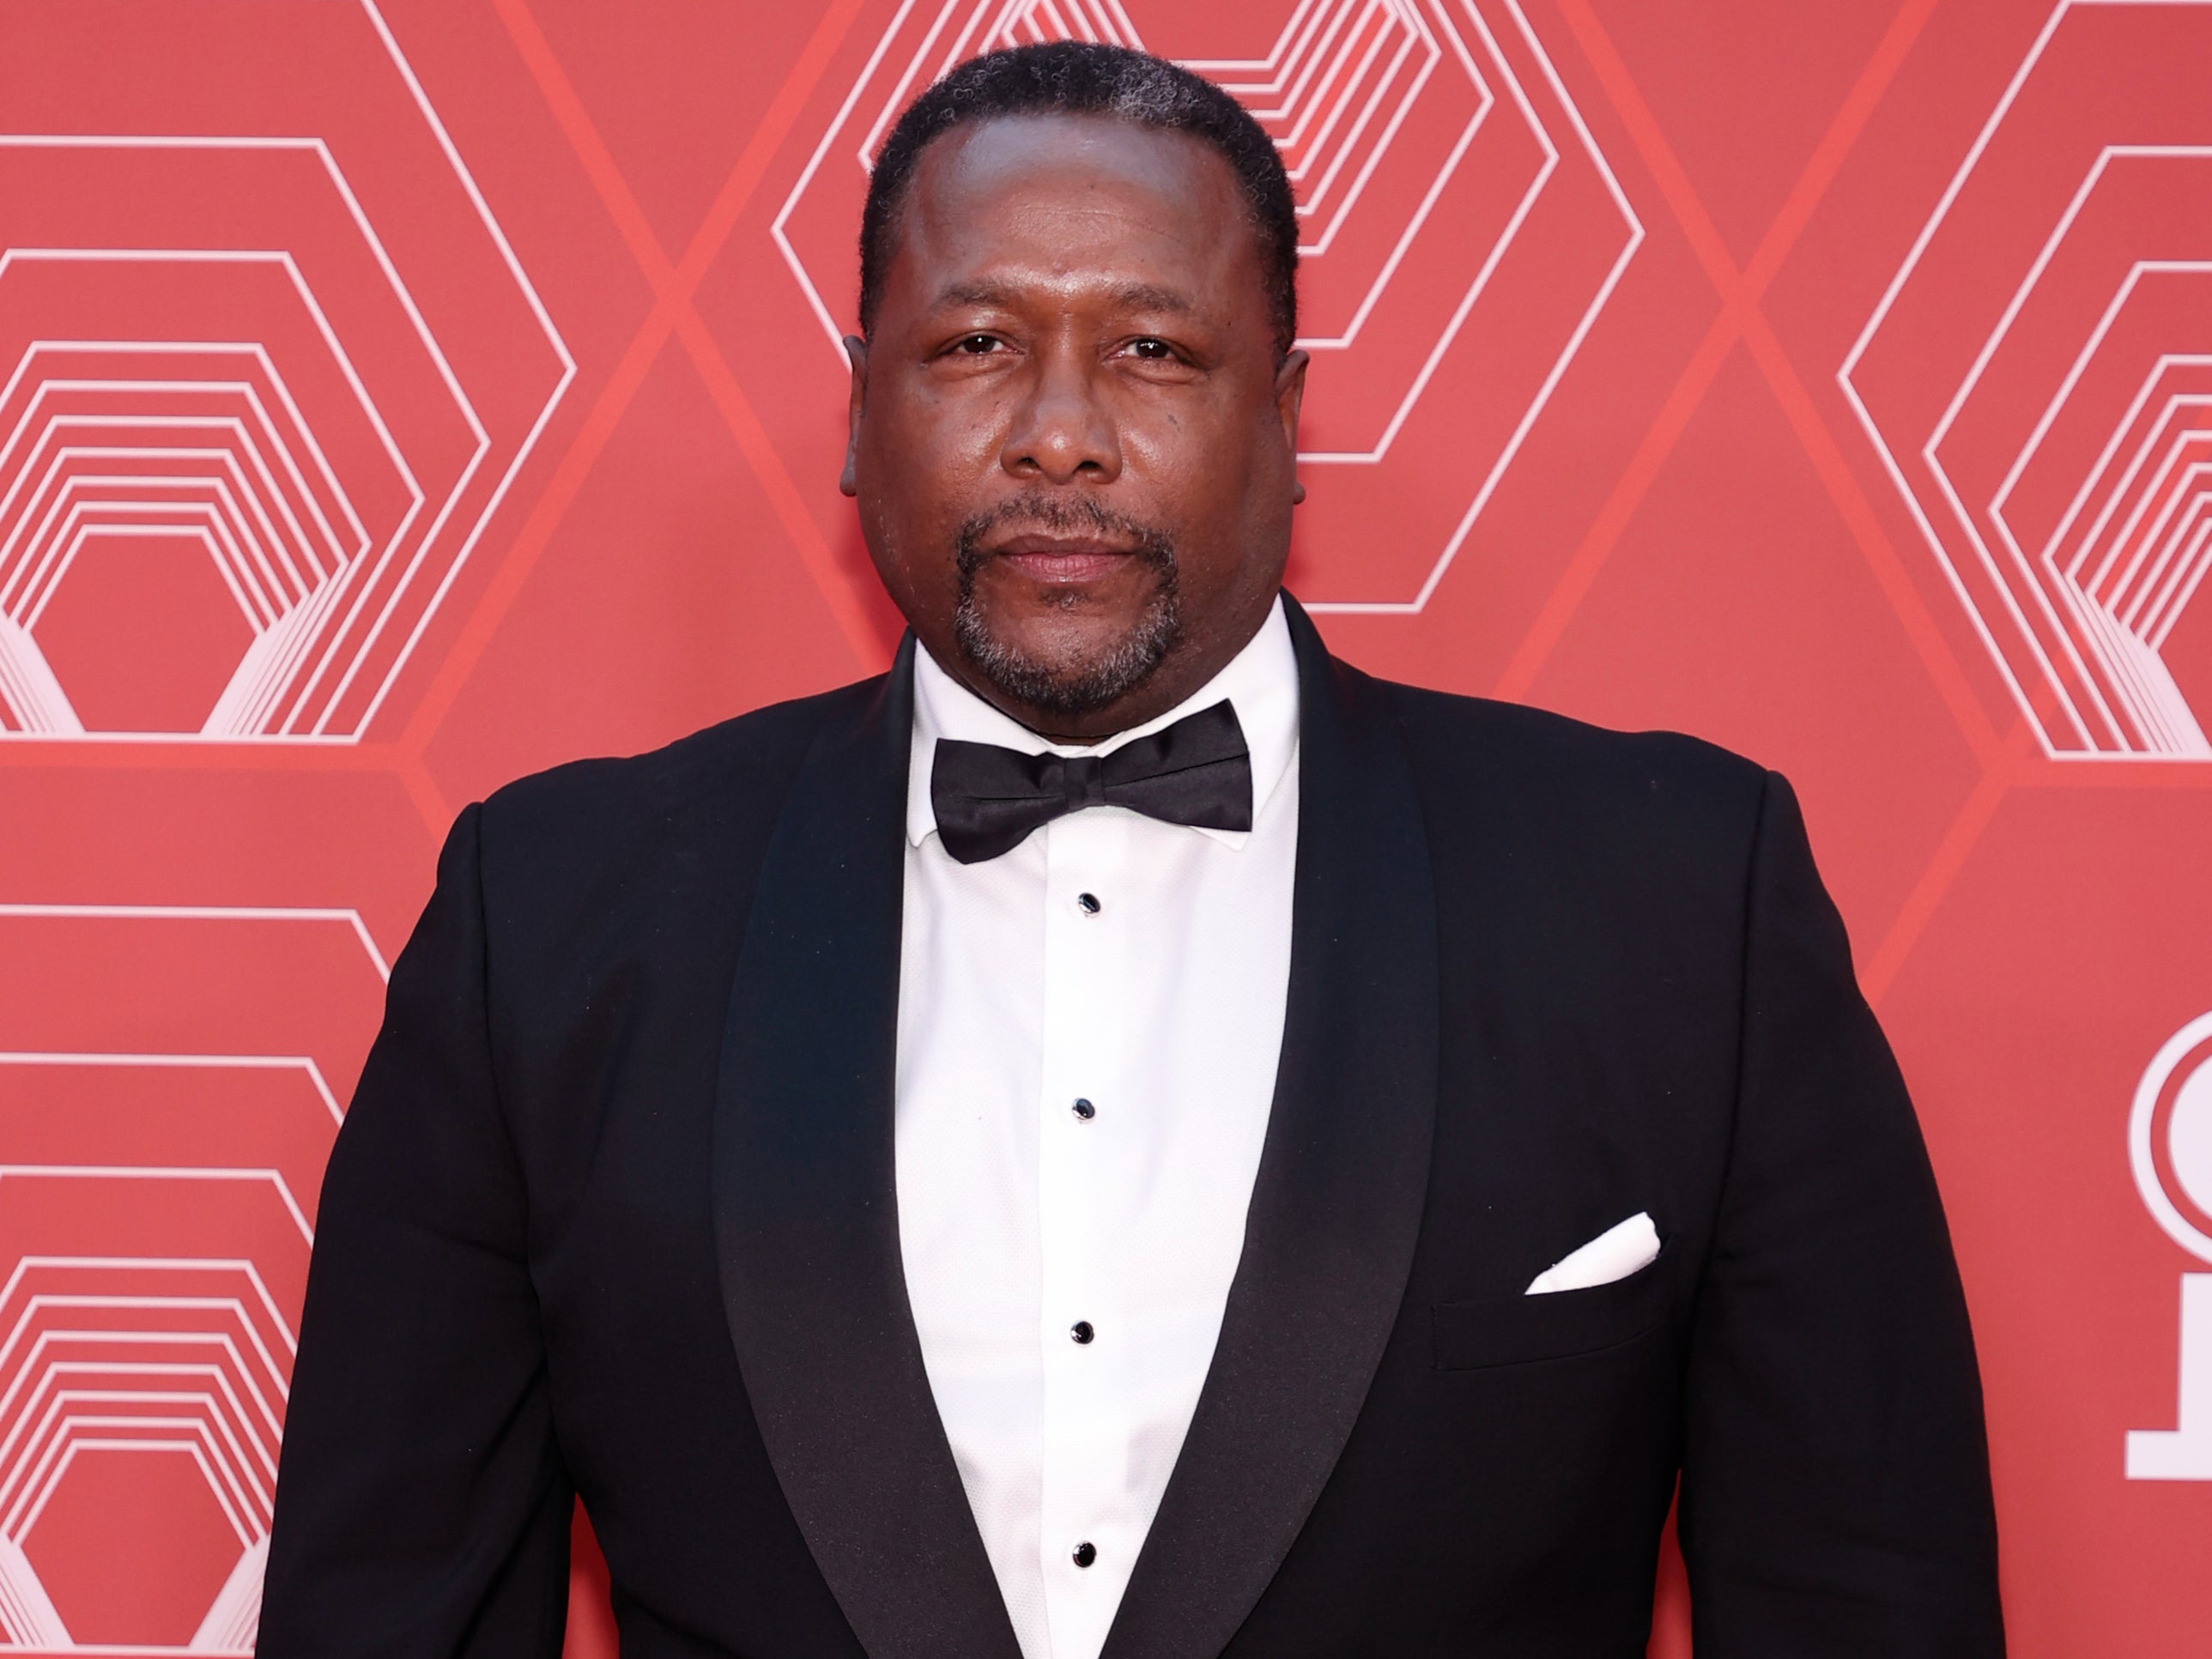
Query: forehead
{"points": [[1063, 198]]}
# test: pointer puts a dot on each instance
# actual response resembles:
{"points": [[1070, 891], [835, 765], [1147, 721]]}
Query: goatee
{"points": [[1068, 689]]}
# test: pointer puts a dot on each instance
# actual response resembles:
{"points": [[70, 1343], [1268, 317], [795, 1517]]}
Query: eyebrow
{"points": [[1132, 296]]}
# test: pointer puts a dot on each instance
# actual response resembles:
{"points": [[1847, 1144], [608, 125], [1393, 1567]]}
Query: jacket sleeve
{"points": [[422, 1506], [1835, 1496]]}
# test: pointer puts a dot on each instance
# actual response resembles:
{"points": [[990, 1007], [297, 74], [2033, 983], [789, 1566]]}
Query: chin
{"points": [[1077, 639], [1065, 666]]}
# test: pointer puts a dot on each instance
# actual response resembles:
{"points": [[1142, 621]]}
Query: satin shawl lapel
{"points": [[1336, 1207], [806, 1216]]}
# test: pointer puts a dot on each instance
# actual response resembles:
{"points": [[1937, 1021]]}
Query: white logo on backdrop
{"points": [[2170, 1148]]}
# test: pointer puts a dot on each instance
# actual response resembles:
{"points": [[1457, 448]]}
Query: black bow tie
{"points": [[987, 799]]}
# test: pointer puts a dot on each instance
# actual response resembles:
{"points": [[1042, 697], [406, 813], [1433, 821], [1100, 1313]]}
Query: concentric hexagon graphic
{"points": [[2037, 381], [1460, 233], [203, 445], [141, 1404], [169, 1088], [270, 368]]}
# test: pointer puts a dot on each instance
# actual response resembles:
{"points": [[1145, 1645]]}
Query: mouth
{"points": [[1062, 561]]}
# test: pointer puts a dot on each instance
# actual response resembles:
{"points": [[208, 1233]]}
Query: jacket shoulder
{"points": [[574, 826], [1560, 776]]}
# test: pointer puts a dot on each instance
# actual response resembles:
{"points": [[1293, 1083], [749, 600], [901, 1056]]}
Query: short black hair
{"points": [[1085, 77]]}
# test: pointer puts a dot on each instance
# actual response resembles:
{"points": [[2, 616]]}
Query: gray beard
{"points": [[1063, 689]]}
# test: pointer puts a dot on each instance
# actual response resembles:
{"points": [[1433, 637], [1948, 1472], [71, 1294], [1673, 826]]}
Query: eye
{"points": [[975, 345], [1153, 350]]}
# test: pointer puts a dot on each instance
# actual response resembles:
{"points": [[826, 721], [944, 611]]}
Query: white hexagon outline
{"points": [[85, 527], [304, 1064], [1283, 58], [1486, 99], [2171, 581], [208, 517], [27, 1617], [1407, 14], [264, 671], [160, 484], [65, 1421], [219, 508], [1888, 457], [309, 618], [2177, 580], [1121, 32], [2122, 490], [1568, 352], [235, 1606], [523, 449], [246, 389], [249, 1449], [60, 480], [96, 1060], [2158, 705], [2132, 663], [230, 1624], [39, 1301], [84, 534]]}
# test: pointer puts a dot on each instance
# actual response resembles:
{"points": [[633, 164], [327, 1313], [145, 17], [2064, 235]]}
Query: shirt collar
{"points": [[1261, 683]]}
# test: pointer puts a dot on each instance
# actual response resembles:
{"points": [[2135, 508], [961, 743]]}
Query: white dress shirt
{"points": [[1018, 1217]]}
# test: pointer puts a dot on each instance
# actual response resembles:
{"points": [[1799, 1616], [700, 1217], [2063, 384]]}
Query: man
{"points": [[1126, 1135]]}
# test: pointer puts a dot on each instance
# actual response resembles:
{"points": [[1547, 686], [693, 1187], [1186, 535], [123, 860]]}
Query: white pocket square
{"points": [[1613, 1254]]}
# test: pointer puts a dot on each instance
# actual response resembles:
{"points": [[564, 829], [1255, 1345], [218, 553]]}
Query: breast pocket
{"points": [[1520, 1330]]}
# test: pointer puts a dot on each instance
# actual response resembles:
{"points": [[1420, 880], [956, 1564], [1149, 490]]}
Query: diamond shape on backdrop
{"points": [[2035, 378], [1461, 232], [668, 598]]}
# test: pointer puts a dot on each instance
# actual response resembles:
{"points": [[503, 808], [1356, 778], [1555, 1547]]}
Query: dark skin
{"points": [[1076, 310]]}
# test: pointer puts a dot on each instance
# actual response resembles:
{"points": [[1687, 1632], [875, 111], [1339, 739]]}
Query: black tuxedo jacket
{"points": [[613, 1215]]}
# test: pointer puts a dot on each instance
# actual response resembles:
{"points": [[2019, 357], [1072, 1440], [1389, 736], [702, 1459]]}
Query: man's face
{"points": [[1073, 443]]}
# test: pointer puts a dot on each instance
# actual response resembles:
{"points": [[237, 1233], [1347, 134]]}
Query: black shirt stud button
{"points": [[1086, 1110], [1088, 903], [1082, 1333], [1085, 1553]]}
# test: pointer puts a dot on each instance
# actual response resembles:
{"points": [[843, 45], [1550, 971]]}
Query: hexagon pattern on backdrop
{"points": [[396, 395], [1461, 232], [170, 1084], [255, 416], [2065, 477]]}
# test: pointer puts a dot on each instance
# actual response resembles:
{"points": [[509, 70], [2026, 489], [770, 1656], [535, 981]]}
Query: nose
{"points": [[1063, 429]]}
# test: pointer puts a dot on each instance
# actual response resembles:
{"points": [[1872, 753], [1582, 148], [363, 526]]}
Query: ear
{"points": [[856, 350], [1289, 395]]}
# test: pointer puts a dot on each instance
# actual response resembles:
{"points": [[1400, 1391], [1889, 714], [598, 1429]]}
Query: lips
{"points": [[1062, 561]]}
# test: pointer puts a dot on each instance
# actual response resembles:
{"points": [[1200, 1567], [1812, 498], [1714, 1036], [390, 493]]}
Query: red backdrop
{"points": [[400, 399]]}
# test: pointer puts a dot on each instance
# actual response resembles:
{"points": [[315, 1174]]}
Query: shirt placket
{"points": [[1082, 1551]]}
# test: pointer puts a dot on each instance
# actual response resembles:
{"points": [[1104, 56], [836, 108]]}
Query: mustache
{"points": [[1060, 515]]}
